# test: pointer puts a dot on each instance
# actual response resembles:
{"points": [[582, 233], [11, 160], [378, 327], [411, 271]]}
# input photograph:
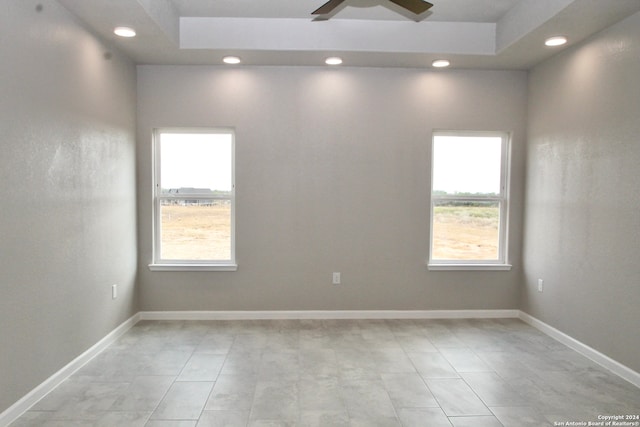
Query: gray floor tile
{"points": [[68, 423], [215, 344], [464, 360], [423, 417], [367, 399], [433, 365], [279, 366], [32, 419], [408, 391], [314, 339], [480, 421], [570, 360], [324, 418], [442, 337], [170, 423], [113, 365], [123, 419], [202, 367], [375, 422], [493, 391], [505, 364], [356, 364], [392, 360], [593, 387], [241, 363], [478, 339], [183, 401], [166, 362], [538, 394], [348, 341], [223, 419], [520, 417], [404, 328], [318, 362], [276, 400], [416, 344], [456, 398], [68, 390], [320, 394], [95, 399], [232, 392], [282, 341], [272, 423], [143, 394], [249, 342]]}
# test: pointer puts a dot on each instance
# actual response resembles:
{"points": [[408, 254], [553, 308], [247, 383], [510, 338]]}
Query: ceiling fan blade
{"points": [[327, 7], [415, 6]]}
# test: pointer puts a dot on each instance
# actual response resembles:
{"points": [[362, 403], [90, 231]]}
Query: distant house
{"points": [[187, 191]]}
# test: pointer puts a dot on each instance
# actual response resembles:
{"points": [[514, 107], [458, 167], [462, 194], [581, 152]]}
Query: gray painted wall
{"points": [[582, 233], [332, 174], [67, 181]]}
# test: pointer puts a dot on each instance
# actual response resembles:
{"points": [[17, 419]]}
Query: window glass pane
{"points": [[466, 164], [192, 162], [195, 230], [465, 230]]}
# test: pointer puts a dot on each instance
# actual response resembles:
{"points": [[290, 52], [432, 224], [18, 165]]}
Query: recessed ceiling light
{"points": [[334, 60], [231, 60], [124, 32], [440, 63], [555, 41]]}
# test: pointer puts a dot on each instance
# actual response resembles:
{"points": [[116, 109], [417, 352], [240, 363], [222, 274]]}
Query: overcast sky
{"points": [[463, 164], [467, 164], [196, 160]]}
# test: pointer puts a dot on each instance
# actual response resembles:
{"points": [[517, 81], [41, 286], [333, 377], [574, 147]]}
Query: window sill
{"points": [[193, 267], [468, 267]]}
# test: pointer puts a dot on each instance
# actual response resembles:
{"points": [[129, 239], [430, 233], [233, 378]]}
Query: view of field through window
{"points": [[466, 232], [194, 222], [198, 231], [196, 195], [466, 197]]}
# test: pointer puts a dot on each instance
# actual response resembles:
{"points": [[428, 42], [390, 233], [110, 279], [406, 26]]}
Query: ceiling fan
{"points": [[414, 6]]}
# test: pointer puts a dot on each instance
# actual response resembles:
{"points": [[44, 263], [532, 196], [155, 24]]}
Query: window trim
{"points": [[502, 263], [159, 264]]}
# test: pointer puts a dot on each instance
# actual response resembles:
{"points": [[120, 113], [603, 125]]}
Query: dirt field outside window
{"points": [[465, 233], [193, 232], [204, 232]]}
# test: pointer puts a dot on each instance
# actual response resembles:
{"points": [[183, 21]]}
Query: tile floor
{"points": [[497, 372]]}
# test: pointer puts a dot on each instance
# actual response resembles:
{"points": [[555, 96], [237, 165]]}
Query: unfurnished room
{"points": [[319, 213]]}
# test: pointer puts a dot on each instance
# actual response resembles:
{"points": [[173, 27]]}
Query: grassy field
{"points": [[196, 232], [204, 232], [465, 232]]}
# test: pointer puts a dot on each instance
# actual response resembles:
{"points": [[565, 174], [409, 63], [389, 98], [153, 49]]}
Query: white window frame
{"points": [[159, 264], [502, 199]]}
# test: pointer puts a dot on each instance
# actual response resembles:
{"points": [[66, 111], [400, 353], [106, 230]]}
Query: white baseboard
{"points": [[328, 314], [21, 406], [601, 359]]}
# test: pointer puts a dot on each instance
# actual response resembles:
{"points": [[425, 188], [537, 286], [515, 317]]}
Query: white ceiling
{"points": [[490, 34]]}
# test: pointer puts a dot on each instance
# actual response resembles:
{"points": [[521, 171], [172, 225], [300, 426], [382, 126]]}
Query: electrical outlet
{"points": [[540, 285], [336, 278], [114, 291]]}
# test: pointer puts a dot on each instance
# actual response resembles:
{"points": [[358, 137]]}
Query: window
{"points": [[194, 199], [469, 200]]}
